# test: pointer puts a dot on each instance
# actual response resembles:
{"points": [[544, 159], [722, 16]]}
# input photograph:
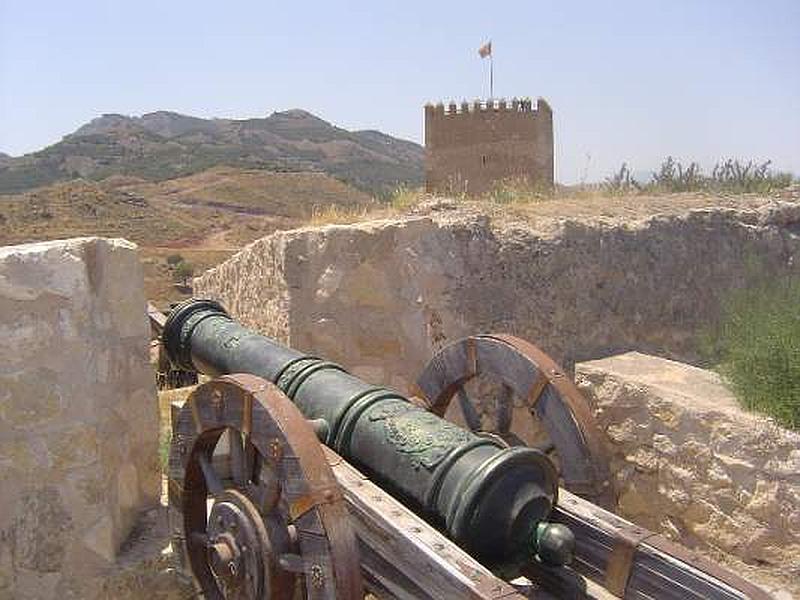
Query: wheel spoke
{"points": [[505, 409], [265, 489], [293, 563], [199, 538], [272, 453], [213, 482], [250, 454], [541, 387], [237, 457], [471, 416]]}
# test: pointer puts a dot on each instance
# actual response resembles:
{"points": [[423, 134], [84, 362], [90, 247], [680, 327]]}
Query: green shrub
{"points": [[174, 259], [672, 176], [403, 198], [182, 272], [728, 175], [735, 176], [518, 190], [758, 349], [621, 182]]}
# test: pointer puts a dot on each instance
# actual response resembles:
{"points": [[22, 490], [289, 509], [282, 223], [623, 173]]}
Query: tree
{"points": [[182, 272], [174, 259]]}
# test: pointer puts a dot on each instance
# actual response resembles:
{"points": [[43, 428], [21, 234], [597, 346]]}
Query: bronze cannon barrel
{"points": [[492, 499]]}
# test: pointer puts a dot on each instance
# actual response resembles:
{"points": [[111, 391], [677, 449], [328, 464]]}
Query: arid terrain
{"points": [[195, 190], [202, 217]]}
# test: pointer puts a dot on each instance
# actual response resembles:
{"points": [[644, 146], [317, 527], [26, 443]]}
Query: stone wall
{"points": [[381, 297], [372, 296], [78, 415], [469, 147], [689, 463]]}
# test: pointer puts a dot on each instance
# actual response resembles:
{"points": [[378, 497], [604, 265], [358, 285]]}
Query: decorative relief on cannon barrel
{"points": [[420, 434]]}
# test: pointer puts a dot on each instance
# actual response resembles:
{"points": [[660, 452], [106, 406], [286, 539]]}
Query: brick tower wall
{"points": [[469, 147]]}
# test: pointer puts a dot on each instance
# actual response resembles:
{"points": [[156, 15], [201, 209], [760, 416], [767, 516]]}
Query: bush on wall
{"points": [[758, 348]]}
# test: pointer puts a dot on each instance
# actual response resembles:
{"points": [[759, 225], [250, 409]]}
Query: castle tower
{"points": [[470, 147]]}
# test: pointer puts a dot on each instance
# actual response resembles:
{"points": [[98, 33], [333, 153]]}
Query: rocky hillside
{"points": [[164, 145]]}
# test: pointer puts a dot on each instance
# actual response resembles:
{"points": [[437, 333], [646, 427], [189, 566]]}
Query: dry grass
{"points": [[80, 208], [404, 198], [518, 191], [593, 203], [253, 192], [159, 284], [333, 214], [400, 202]]}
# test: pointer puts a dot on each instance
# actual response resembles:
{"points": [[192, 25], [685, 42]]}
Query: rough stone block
{"points": [[695, 466], [78, 412]]}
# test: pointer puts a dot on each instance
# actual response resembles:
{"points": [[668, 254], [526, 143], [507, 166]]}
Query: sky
{"points": [[629, 81]]}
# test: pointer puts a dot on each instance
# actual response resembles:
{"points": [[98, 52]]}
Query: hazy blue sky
{"points": [[628, 81]]}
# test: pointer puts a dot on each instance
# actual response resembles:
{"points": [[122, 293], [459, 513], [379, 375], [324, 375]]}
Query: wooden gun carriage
{"points": [[262, 508]]}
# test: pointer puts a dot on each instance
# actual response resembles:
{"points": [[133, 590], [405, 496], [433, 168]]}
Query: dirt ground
{"points": [[623, 208]]}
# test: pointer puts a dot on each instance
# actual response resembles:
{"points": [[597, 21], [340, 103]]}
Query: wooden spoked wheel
{"points": [[269, 520], [531, 387]]}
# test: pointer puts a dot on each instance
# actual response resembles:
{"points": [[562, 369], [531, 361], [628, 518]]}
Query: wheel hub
{"points": [[239, 551], [224, 557]]}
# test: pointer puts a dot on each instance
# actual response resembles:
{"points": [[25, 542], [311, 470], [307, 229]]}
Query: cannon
{"points": [[271, 519]]}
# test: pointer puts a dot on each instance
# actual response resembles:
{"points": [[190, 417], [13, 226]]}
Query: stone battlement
{"points": [[491, 106]]}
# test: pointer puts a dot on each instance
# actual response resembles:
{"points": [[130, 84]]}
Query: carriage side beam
{"points": [[402, 556]]}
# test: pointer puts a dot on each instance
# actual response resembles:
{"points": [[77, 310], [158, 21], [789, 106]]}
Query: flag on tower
{"points": [[485, 50]]}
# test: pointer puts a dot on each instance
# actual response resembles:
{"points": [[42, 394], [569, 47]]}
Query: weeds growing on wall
{"points": [[622, 182], [732, 175], [400, 201], [518, 190], [673, 176], [728, 176], [757, 346], [404, 198], [333, 214]]}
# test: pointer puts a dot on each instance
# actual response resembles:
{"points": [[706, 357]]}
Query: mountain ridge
{"points": [[165, 144]]}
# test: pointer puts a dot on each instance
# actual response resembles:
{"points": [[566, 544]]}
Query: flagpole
{"points": [[491, 76], [483, 52]]}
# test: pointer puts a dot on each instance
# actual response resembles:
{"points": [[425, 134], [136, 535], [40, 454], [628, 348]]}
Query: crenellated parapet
{"points": [[523, 106]]}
